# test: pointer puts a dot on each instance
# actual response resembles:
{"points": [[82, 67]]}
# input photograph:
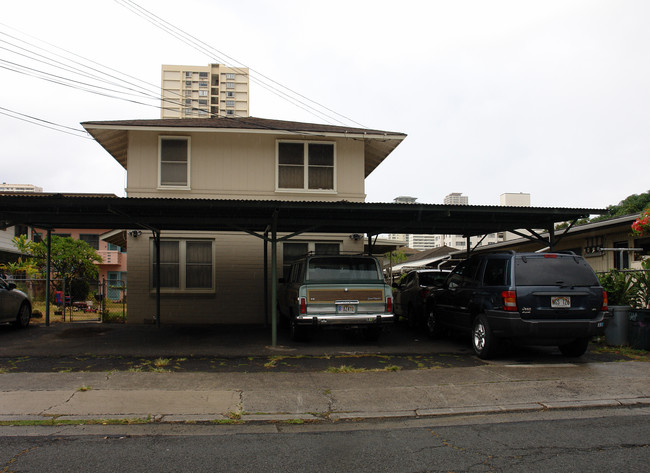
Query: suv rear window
{"points": [[343, 269], [553, 271]]}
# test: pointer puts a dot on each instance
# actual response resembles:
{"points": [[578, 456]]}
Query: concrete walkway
{"points": [[278, 397]]}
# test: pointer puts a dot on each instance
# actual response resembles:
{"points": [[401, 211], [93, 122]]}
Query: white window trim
{"points": [[182, 268], [305, 179], [189, 162]]}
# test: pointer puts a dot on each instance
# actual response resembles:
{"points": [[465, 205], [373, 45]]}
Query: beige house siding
{"points": [[238, 166], [238, 297]]}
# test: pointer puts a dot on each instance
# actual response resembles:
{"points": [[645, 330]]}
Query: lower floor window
{"points": [[185, 264]]}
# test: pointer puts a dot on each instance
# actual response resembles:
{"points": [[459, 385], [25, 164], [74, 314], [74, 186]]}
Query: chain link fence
{"points": [[80, 301]]}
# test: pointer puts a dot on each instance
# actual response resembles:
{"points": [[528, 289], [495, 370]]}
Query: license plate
{"points": [[345, 309], [561, 302]]}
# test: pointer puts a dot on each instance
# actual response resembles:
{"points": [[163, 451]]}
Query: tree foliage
{"points": [[69, 258], [632, 204]]}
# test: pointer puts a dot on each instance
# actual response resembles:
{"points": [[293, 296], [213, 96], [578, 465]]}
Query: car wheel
{"points": [[432, 323], [482, 338], [575, 348], [24, 314]]}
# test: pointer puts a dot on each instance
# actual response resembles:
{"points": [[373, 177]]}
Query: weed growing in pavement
{"points": [[84, 388], [628, 352]]}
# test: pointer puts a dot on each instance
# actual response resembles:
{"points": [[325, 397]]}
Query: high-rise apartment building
{"points": [[456, 198], [417, 242], [204, 91], [29, 188]]}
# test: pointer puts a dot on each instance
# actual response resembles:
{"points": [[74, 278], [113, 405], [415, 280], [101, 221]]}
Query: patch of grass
{"points": [[344, 369], [294, 421], [84, 388], [161, 362], [55, 421], [392, 368], [631, 353]]}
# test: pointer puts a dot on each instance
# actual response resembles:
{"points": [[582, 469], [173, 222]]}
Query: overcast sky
{"points": [[550, 98]]}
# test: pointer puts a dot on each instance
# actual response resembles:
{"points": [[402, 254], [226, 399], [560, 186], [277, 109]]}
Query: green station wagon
{"points": [[336, 291]]}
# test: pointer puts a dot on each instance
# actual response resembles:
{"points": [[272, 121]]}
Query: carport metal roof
{"points": [[158, 214]]}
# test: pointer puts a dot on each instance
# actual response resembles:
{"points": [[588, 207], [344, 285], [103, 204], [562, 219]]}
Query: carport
{"points": [[267, 219]]}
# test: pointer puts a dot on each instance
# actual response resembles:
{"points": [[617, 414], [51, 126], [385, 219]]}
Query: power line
{"points": [[203, 47], [44, 123]]}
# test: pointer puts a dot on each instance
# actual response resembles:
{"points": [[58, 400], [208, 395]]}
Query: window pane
{"points": [[291, 153], [321, 178], [92, 240], [169, 264], [290, 177], [173, 174], [198, 264], [173, 150], [321, 155]]}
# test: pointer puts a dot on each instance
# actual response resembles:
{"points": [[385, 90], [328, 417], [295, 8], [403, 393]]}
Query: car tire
{"points": [[432, 324], [483, 341], [23, 317], [576, 348]]}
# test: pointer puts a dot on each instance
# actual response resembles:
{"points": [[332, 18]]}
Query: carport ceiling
{"points": [[65, 211]]}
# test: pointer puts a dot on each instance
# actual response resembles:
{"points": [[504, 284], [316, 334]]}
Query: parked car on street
{"points": [[15, 306], [336, 291], [533, 298], [412, 292]]}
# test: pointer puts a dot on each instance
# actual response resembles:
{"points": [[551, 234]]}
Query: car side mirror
{"points": [[11, 286]]}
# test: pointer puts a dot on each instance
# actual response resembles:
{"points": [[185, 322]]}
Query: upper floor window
{"points": [[305, 166], [203, 75], [230, 76], [230, 94], [91, 239], [174, 163], [230, 85]]}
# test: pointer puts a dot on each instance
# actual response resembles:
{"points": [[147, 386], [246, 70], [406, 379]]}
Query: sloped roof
{"points": [[113, 135]]}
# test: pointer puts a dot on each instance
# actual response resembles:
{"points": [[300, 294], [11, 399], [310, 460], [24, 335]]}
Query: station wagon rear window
{"points": [[343, 269], [546, 270]]}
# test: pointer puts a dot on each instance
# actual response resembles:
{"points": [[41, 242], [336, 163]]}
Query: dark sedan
{"points": [[412, 292]]}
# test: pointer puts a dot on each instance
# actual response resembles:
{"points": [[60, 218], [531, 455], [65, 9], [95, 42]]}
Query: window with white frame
{"points": [[305, 166], [230, 94], [203, 93], [174, 160], [230, 103], [230, 76], [185, 265], [230, 85]]}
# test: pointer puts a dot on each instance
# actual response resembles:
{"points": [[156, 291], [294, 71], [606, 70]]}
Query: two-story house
{"points": [[208, 277]]}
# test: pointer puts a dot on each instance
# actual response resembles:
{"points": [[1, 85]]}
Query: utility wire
{"points": [[204, 47], [44, 123]]}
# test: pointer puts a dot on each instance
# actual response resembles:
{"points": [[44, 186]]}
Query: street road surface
{"points": [[564, 441]]}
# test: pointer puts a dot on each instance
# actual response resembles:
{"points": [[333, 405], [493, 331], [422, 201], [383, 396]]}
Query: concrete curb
{"points": [[331, 417]]}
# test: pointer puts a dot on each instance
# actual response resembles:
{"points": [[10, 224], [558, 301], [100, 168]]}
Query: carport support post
{"points": [[48, 243], [274, 280], [156, 276]]}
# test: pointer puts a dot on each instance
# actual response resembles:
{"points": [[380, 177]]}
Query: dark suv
{"points": [[535, 298]]}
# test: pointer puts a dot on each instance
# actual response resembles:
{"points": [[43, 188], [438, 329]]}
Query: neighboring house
{"points": [[209, 277], [8, 251], [112, 269], [606, 245]]}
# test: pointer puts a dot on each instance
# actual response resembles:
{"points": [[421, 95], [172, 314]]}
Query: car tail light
{"points": [[424, 293], [550, 255], [605, 301], [303, 305], [509, 301], [389, 304]]}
